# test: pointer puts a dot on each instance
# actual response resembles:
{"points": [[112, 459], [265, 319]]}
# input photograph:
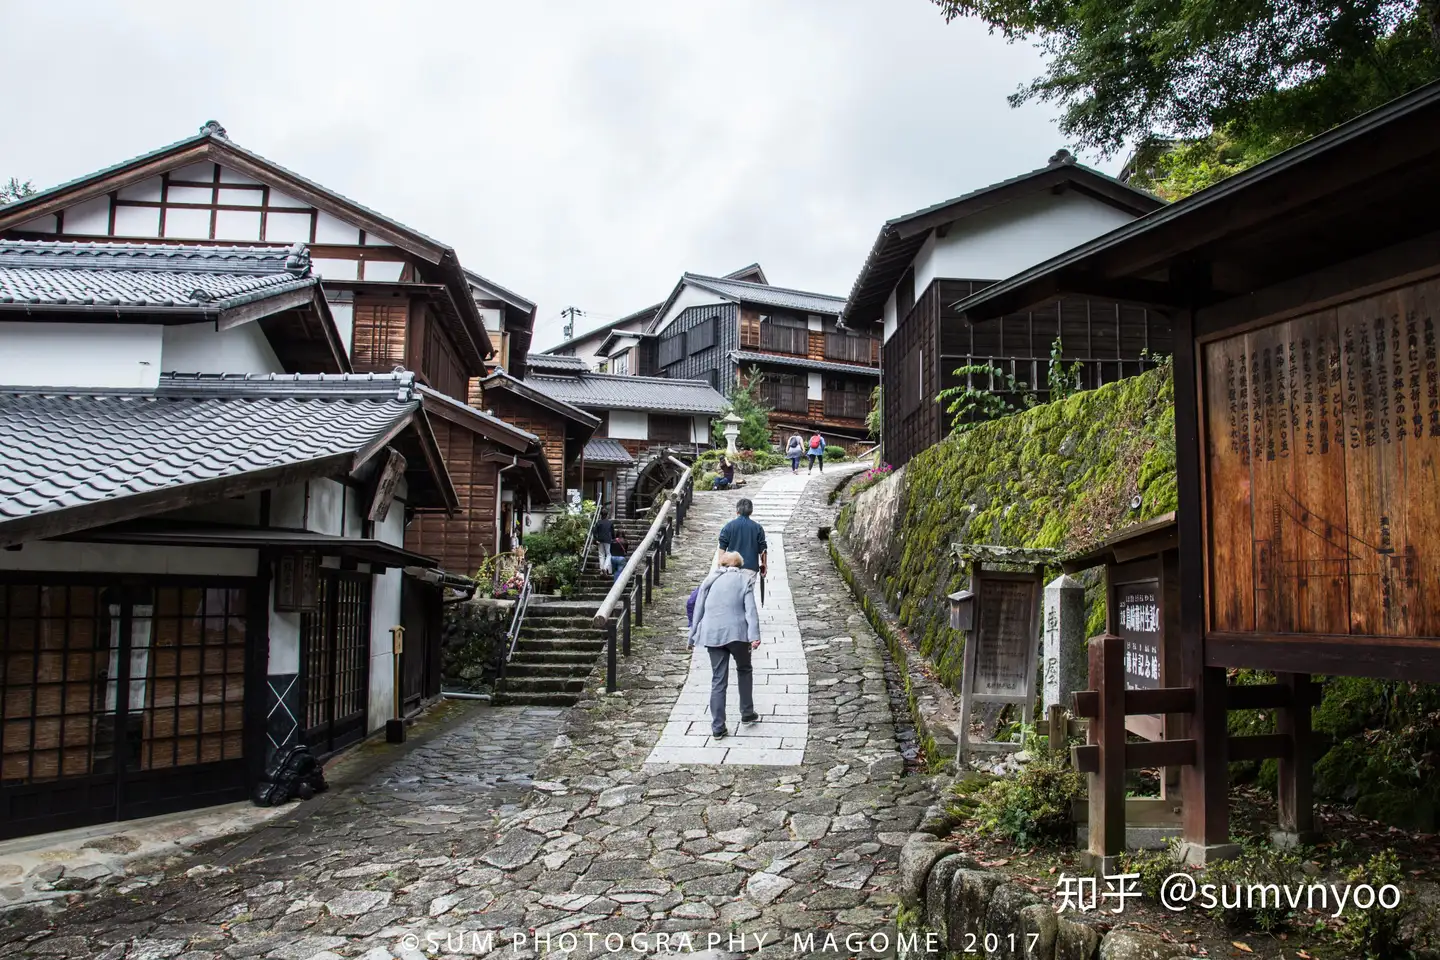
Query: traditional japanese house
{"points": [[816, 376], [645, 421], [203, 516], [590, 347], [1303, 295], [923, 261], [398, 297], [562, 431]]}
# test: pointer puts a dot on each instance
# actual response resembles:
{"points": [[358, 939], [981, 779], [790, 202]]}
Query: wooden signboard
{"points": [[1138, 621], [297, 583], [1001, 652], [1322, 483], [385, 483]]}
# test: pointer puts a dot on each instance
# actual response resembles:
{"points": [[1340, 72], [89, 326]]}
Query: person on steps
{"points": [[604, 536], [817, 453], [727, 625], [795, 449], [747, 538], [618, 550]]}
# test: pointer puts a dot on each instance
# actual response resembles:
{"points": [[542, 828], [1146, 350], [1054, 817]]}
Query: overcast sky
{"points": [[579, 153]]}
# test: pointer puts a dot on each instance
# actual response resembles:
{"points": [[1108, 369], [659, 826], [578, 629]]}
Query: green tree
{"points": [[13, 190], [875, 419], [1267, 73], [745, 402]]}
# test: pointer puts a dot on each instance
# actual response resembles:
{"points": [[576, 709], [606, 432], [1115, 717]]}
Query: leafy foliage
{"points": [[745, 402], [746, 461], [555, 550], [869, 478], [1256, 865], [1064, 379], [875, 419], [1033, 807], [14, 189], [970, 405], [1280, 70], [1375, 934]]}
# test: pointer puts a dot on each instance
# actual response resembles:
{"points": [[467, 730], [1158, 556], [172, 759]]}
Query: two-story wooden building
{"points": [[817, 376], [398, 299], [923, 261], [199, 567]]}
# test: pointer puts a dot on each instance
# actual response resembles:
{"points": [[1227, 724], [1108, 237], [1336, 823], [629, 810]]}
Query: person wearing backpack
{"points": [[604, 536], [795, 449], [817, 453]]}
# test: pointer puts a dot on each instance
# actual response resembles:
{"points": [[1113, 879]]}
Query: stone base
{"points": [[394, 731], [1136, 838], [1200, 854], [1290, 839]]}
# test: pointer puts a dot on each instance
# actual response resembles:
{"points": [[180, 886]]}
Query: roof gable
{"points": [[901, 238]]}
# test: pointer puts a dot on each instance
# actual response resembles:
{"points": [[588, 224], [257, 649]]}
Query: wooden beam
{"points": [[256, 309], [104, 185], [1295, 780], [1385, 658]]}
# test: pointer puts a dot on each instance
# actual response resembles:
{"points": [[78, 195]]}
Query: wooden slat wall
{"points": [[1323, 471], [461, 542], [379, 337], [533, 418]]}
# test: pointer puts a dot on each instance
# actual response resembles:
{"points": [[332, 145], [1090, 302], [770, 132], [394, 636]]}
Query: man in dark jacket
{"points": [[604, 536], [747, 538]]}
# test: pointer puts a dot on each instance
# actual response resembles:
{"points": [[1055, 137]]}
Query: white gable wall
{"points": [[200, 348], [80, 355], [689, 297], [1009, 238], [629, 424]]}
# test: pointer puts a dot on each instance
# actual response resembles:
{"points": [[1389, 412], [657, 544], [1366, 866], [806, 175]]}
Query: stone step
{"points": [[529, 699], [553, 632], [553, 658], [518, 686], [557, 618], [561, 645], [522, 668]]}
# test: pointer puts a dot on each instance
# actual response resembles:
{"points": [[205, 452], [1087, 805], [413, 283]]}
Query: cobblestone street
{"points": [[533, 823]]}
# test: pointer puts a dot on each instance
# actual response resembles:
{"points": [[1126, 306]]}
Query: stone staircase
{"points": [[559, 642]]}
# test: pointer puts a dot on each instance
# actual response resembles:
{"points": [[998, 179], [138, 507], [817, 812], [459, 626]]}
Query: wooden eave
{"points": [[496, 431], [1147, 539]]}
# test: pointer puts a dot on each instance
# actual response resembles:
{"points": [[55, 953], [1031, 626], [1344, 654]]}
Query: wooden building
{"points": [[595, 347], [398, 297], [924, 261], [199, 568], [817, 377], [1304, 297], [644, 422]]}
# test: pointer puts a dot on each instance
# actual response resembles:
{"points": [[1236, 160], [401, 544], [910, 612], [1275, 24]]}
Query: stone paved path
{"points": [[782, 684], [452, 852]]}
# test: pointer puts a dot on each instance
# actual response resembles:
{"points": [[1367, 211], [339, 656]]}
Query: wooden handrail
{"points": [[637, 555]]}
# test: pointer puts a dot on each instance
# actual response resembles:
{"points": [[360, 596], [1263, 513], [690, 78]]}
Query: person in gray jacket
{"points": [[727, 624]]}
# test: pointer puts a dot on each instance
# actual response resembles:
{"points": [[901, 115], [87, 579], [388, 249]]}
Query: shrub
{"points": [[559, 574], [1153, 866], [1375, 933], [1033, 807], [555, 550], [1257, 865], [870, 477]]}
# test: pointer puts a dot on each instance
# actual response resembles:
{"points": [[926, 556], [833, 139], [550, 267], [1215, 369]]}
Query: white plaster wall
{"points": [[813, 322], [284, 640], [182, 223], [241, 226], [386, 271], [278, 199], [136, 222], [336, 269], [90, 217], [45, 224], [891, 323], [344, 314], [1009, 238], [126, 558], [200, 348], [230, 176], [629, 425], [327, 508], [700, 430], [330, 229], [689, 297], [80, 355], [286, 227], [287, 506], [385, 613], [144, 190], [814, 386]]}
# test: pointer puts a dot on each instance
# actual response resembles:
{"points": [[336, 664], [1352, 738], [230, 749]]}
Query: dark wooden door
{"points": [[335, 648]]}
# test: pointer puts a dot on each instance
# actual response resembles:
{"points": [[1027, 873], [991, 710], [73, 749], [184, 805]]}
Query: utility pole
{"points": [[570, 313]]}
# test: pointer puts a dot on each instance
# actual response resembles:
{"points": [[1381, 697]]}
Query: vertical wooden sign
{"points": [[1001, 653]]}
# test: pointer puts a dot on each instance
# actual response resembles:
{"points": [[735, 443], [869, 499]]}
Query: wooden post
{"points": [[1059, 732], [395, 727], [1295, 787], [610, 655], [1107, 731]]}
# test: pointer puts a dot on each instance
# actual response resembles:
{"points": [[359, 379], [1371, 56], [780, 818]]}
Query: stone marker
{"points": [[1065, 669]]}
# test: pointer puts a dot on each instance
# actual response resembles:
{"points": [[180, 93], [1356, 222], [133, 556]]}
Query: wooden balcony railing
{"points": [[843, 349], [850, 406], [794, 340], [788, 397]]}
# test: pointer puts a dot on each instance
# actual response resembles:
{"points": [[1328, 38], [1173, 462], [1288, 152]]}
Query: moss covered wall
{"points": [[1059, 475]]}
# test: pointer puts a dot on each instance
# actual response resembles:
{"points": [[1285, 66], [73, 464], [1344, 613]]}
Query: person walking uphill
{"points": [[795, 449], [817, 452], [604, 536], [727, 625], [747, 538]]}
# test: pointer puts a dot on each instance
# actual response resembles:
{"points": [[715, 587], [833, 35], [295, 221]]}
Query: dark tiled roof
{"points": [[548, 363], [531, 391], [62, 451], [603, 391], [442, 402], [149, 276], [745, 356], [770, 296], [603, 450]]}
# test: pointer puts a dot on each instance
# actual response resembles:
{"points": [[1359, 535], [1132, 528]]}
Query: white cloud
{"points": [[578, 153]]}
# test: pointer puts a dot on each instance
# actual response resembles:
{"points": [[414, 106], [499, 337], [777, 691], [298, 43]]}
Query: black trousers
{"points": [[720, 681]]}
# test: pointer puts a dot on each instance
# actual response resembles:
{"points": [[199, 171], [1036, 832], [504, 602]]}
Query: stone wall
{"points": [[971, 911], [1061, 475]]}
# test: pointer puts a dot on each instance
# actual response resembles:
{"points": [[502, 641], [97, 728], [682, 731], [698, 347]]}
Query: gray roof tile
{"points": [[767, 295], [603, 450], [602, 391], [65, 449], [147, 275], [550, 363], [804, 363]]}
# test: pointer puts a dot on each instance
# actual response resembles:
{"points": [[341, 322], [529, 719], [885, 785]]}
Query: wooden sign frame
{"points": [[979, 637], [387, 479], [297, 582]]}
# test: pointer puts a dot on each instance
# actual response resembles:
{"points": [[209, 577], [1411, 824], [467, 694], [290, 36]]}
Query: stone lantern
{"points": [[732, 431]]}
